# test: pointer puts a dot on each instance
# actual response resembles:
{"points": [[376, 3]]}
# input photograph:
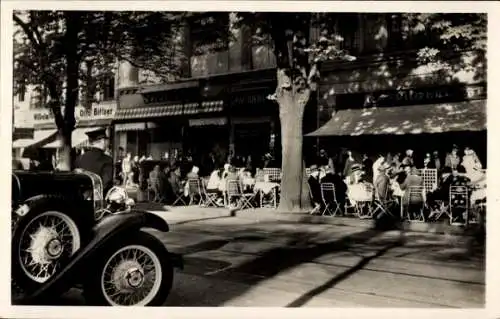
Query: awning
{"points": [[23, 142], [414, 119], [78, 138], [124, 127], [146, 112], [205, 107], [40, 137]]}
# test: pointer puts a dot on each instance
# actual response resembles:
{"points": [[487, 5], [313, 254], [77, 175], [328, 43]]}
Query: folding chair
{"points": [[459, 201], [180, 198], [210, 198], [329, 199], [364, 208], [317, 206], [415, 199], [194, 186], [273, 173], [233, 189], [384, 205]]}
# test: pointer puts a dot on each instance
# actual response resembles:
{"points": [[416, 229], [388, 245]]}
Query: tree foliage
{"points": [[58, 50]]}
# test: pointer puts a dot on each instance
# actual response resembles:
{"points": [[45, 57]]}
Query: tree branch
{"points": [[28, 31]]}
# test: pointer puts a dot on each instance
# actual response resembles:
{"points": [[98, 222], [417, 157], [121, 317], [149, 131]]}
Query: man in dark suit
{"points": [[95, 160], [339, 184]]}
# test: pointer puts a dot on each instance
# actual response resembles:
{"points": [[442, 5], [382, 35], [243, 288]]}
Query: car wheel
{"points": [[133, 272], [43, 241]]}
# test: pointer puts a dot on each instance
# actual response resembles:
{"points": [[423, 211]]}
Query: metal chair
{"points": [[385, 204], [329, 198], [273, 173], [233, 189], [317, 206], [364, 208], [195, 191], [459, 201], [415, 198], [210, 198]]}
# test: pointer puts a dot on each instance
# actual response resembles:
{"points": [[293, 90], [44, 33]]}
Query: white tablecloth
{"points": [[478, 194], [265, 187], [358, 193]]}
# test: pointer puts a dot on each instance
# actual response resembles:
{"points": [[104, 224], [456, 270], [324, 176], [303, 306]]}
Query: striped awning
{"points": [[205, 107], [170, 110], [145, 112]]}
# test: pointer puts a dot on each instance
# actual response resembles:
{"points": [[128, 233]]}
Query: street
{"points": [[239, 262]]}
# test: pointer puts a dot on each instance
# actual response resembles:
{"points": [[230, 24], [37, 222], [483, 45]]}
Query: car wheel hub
{"points": [[128, 276], [45, 246]]}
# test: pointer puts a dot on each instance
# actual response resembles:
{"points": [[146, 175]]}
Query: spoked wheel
{"points": [[136, 272], [42, 245]]}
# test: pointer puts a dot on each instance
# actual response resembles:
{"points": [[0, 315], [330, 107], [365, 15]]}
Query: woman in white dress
{"points": [[472, 165]]}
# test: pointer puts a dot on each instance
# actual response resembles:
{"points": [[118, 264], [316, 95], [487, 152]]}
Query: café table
{"points": [[267, 188]]}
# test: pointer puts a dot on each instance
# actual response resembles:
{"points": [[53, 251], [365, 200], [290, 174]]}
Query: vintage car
{"points": [[66, 233]]}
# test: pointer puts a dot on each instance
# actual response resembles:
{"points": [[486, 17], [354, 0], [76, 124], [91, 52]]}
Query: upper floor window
{"points": [[38, 98], [108, 90], [21, 92], [209, 45]]}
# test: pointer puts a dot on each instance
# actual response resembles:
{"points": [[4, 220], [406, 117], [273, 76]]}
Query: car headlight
{"points": [[96, 194], [117, 195]]}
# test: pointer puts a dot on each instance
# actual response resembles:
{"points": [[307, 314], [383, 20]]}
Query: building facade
{"points": [[220, 106]]}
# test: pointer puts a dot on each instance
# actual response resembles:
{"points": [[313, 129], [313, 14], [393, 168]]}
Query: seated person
{"points": [[174, 179], [411, 179], [314, 185], [382, 182], [338, 183], [213, 185], [193, 174]]}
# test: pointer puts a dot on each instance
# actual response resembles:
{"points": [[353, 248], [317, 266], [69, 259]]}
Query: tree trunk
{"points": [[294, 192], [73, 23]]}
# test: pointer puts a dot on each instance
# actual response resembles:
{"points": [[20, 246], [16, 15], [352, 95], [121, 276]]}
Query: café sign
{"points": [[97, 112]]}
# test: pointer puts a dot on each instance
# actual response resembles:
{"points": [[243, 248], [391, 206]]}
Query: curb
{"points": [[435, 228], [259, 214]]}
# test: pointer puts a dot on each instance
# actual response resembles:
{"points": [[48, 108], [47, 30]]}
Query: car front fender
{"points": [[104, 232]]}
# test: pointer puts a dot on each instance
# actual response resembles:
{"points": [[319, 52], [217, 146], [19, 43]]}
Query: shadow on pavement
{"points": [[302, 300], [268, 265], [200, 219]]}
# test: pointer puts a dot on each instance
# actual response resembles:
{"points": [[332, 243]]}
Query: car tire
{"points": [[94, 284], [38, 207]]}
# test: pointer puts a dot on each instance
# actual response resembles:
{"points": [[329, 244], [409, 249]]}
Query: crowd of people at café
{"points": [[393, 175], [167, 179]]}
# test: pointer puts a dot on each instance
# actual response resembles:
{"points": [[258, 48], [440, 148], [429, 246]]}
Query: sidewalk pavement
{"points": [[181, 214]]}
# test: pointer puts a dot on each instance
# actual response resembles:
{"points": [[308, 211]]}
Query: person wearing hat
{"points": [[452, 159], [382, 182], [408, 160], [95, 159]]}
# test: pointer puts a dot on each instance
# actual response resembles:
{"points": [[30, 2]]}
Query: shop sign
{"points": [[413, 96], [250, 99], [219, 121], [97, 112]]}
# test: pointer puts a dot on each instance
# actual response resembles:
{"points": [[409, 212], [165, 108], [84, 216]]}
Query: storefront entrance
{"points": [[201, 140]]}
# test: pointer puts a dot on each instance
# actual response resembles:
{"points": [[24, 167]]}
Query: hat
{"points": [[97, 134], [313, 167]]}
